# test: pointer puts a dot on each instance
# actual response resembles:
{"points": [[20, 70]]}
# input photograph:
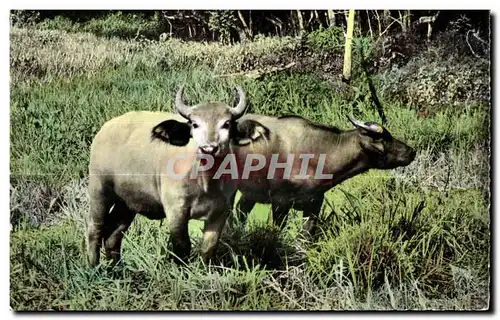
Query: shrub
{"points": [[24, 18], [449, 71], [59, 23], [118, 24], [431, 84], [222, 22], [124, 25], [331, 38]]}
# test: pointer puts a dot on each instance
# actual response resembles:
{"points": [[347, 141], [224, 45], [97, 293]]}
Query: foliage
{"points": [[193, 24], [222, 22], [59, 23], [331, 38], [431, 83], [361, 77], [118, 24], [24, 17]]}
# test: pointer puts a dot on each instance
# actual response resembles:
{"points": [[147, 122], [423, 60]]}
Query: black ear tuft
{"points": [[249, 130], [173, 132]]}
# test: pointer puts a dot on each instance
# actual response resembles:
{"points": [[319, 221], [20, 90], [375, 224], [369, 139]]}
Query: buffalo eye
{"points": [[195, 125], [226, 125]]}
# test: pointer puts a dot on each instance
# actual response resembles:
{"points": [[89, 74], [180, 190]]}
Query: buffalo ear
{"points": [[247, 131], [173, 132]]}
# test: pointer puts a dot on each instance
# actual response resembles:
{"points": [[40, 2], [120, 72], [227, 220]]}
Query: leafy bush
{"points": [[121, 25], [451, 70], [59, 23], [331, 38], [222, 22], [124, 25], [24, 18], [361, 76], [430, 84]]}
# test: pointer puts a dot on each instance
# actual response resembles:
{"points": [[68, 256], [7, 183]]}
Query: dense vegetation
{"points": [[416, 237]]}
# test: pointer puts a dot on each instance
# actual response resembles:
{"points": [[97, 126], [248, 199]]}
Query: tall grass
{"points": [[58, 120], [411, 238], [375, 252]]}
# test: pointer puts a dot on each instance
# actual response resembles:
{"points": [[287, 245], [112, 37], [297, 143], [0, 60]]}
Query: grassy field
{"points": [[411, 238]]}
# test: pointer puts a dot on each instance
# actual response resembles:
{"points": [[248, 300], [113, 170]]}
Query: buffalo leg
{"points": [[117, 223], [211, 235], [179, 236], [100, 203], [312, 213], [244, 207], [280, 213]]}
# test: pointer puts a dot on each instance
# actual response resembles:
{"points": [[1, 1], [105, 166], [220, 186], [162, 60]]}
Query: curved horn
{"points": [[183, 109], [369, 126], [238, 111]]}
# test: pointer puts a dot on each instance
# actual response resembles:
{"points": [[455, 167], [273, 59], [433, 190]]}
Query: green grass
{"points": [[411, 238], [58, 120], [366, 249]]}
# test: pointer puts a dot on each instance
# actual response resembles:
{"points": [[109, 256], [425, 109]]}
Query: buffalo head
{"points": [[384, 151], [211, 125]]}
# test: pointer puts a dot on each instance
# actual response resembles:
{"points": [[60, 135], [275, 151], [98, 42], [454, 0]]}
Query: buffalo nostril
{"points": [[206, 149], [209, 149]]}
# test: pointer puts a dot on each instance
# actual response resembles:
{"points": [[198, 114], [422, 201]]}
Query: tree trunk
{"points": [[408, 20], [311, 17], [246, 30], [348, 48], [387, 17], [300, 19], [402, 21], [369, 23], [379, 23], [331, 18], [250, 22]]}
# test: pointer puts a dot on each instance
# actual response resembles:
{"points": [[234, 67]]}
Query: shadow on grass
{"points": [[263, 245]]}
